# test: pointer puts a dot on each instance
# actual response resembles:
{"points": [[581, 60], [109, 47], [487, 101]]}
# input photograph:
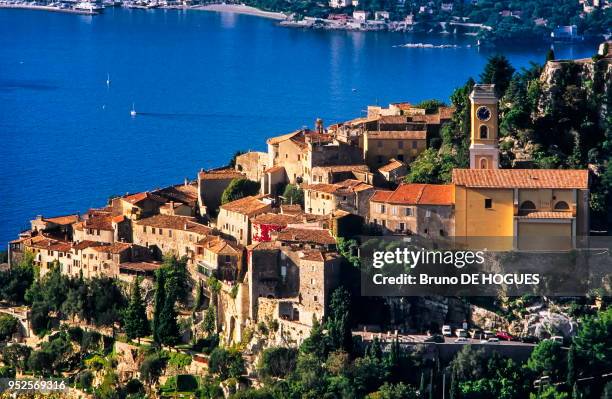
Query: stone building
{"points": [[394, 171], [221, 258], [211, 185], [164, 234], [235, 217], [379, 147], [337, 173], [136, 206], [264, 224], [252, 164], [350, 195], [182, 199], [423, 209], [59, 226]]}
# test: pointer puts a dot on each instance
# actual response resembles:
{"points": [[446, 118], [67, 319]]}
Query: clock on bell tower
{"points": [[484, 150]]}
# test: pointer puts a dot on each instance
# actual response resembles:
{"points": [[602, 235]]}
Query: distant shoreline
{"points": [[46, 8], [241, 9]]}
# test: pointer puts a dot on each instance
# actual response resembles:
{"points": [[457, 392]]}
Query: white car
{"points": [[493, 340], [461, 333], [462, 340], [446, 331]]}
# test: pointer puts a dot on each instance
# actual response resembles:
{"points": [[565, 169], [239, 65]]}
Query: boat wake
{"points": [[429, 45]]}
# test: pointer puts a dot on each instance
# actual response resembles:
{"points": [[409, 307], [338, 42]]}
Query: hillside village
{"points": [[263, 241]]}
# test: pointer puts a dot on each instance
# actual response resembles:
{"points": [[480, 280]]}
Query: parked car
{"points": [[462, 340], [557, 338], [437, 338], [493, 340], [446, 330], [529, 339], [476, 333], [488, 334], [461, 333], [503, 335]]}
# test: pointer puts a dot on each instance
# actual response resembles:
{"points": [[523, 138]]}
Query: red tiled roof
{"points": [[343, 187], [99, 222], [398, 135], [63, 220], [247, 206], [546, 215], [184, 223], [275, 218], [137, 198], [220, 174], [218, 245], [392, 165], [79, 246], [522, 178], [418, 194], [315, 236], [140, 266], [342, 168], [115, 248], [381, 196], [274, 169]]}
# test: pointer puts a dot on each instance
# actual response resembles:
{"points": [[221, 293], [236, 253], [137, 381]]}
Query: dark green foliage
{"points": [[226, 363], [593, 344], [239, 188], [338, 323], [498, 71], [209, 323], [160, 300], [8, 326], [277, 362], [293, 195], [431, 106], [206, 345], [152, 367], [349, 251], [135, 319], [85, 379], [16, 356], [40, 321], [15, 281], [168, 329], [548, 358]]}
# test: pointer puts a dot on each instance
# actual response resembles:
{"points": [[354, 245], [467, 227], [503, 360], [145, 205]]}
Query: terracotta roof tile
{"points": [[63, 220], [546, 215], [98, 222], [522, 178], [344, 187], [115, 248], [247, 206], [392, 165], [79, 246], [137, 198], [417, 194], [315, 236], [183, 223], [140, 266], [218, 245], [398, 135], [220, 174], [275, 219]]}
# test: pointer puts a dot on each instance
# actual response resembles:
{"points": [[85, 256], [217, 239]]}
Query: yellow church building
{"points": [[525, 209]]}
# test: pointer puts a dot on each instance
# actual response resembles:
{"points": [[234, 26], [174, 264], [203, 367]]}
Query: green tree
{"points": [[152, 367], [277, 362], [293, 195], [548, 359], [159, 301], [16, 356], [239, 188], [8, 326], [209, 322], [41, 363], [226, 363], [316, 343], [168, 330], [498, 71], [593, 343], [135, 318], [338, 323], [39, 318], [431, 106]]}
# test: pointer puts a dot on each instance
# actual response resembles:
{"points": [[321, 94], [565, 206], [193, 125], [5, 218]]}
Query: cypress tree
{"points": [[136, 322], [168, 330], [160, 300], [210, 319]]}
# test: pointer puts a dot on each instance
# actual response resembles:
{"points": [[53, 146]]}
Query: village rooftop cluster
{"points": [[278, 260]]}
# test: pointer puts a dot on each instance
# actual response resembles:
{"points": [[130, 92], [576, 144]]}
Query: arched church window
{"points": [[483, 163], [561, 206], [528, 206], [484, 132]]}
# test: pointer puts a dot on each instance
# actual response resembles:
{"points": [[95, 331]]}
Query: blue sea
{"points": [[204, 85]]}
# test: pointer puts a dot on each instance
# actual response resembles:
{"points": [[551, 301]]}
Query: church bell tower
{"points": [[484, 144]]}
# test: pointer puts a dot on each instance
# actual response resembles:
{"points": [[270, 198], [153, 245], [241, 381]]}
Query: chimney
{"points": [[319, 126]]}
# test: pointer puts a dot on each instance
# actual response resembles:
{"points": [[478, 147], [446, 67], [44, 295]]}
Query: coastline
{"points": [[241, 9], [46, 8]]}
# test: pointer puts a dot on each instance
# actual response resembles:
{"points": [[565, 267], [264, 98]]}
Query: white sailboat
{"points": [[133, 111], [108, 81]]}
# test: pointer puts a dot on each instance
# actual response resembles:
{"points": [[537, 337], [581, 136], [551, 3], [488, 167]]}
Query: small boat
{"points": [[133, 111], [108, 81]]}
